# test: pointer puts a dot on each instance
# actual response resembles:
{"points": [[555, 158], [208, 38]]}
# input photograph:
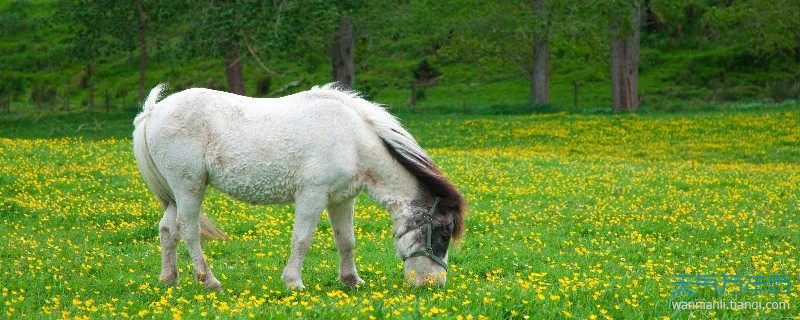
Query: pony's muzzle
{"points": [[424, 271]]}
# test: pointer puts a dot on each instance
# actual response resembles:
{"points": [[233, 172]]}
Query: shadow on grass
{"points": [[94, 125], [523, 109], [499, 109], [88, 125]]}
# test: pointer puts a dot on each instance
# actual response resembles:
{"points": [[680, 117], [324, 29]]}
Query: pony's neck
{"points": [[397, 191], [406, 203]]}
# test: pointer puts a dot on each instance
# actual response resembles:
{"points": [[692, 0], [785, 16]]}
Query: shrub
{"points": [[783, 90], [43, 94]]}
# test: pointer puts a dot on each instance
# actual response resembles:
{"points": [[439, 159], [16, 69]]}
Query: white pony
{"points": [[318, 148]]}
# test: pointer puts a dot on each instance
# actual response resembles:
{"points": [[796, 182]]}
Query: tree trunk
{"points": [[576, 85], [89, 86], [5, 103], [631, 65], [616, 72], [797, 49], [532, 95], [342, 55], [233, 69], [624, 62], [541, 59], [107, 102], [142, 49], [413, 101], [541, 76]]}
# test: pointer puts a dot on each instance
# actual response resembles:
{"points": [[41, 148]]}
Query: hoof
{"points": [[293, 283], [351, 281], [169, 278], [213, 285], [208, 281]]}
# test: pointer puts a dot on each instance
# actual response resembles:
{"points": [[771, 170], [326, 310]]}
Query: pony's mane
{"points": [[405, 149], [338, 88], [426, 172]]}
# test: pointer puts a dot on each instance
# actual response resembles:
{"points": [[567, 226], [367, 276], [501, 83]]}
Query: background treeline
{"points": [[620, 54]]}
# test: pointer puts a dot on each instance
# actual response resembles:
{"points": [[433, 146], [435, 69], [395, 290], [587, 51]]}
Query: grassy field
{"points": [[571, 216]]}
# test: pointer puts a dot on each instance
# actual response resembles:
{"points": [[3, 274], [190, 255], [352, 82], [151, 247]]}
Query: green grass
{"points": [[571, 215]]}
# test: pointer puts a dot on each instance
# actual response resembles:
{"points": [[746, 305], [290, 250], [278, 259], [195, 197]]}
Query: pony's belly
{"points": [[255, 186]]}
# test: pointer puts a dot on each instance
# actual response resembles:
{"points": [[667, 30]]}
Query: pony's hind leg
{"points": [[308, 209], [168, 232], [341, 216], [189, 223]]}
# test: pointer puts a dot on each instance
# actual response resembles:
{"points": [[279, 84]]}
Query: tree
{"points": [[156, 21], [233, 68], [540, 76], [142, 24], [241, 29], [405, 32], [520, 31], [424, 75], [624, 29], [15, 15], [98, 28], [343, 48], [762, 27], [679, 18], [523, 33], [355, 19], [225, 22], [104, 27]]}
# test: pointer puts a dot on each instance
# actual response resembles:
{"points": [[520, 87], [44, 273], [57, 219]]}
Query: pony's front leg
{"points": [[168, 233], [308, 209], [189, 223], [341, 216]]}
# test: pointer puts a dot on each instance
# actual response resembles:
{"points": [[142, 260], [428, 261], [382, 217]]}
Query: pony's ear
{"points": [[454, 207], [458, 220]]}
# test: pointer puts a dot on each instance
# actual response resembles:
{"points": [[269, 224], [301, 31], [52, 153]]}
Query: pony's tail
{"points": [[155, 181], [147, 168]]}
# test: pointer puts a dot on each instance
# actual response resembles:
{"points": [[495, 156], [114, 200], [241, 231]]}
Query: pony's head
{"points": [[426, 224], [434, 220]]}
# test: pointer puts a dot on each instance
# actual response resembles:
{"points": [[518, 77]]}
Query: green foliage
{"points": [[760, 26], [98, 28], [261, 28], [425, 72], [43, 94], [697, 51]]}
